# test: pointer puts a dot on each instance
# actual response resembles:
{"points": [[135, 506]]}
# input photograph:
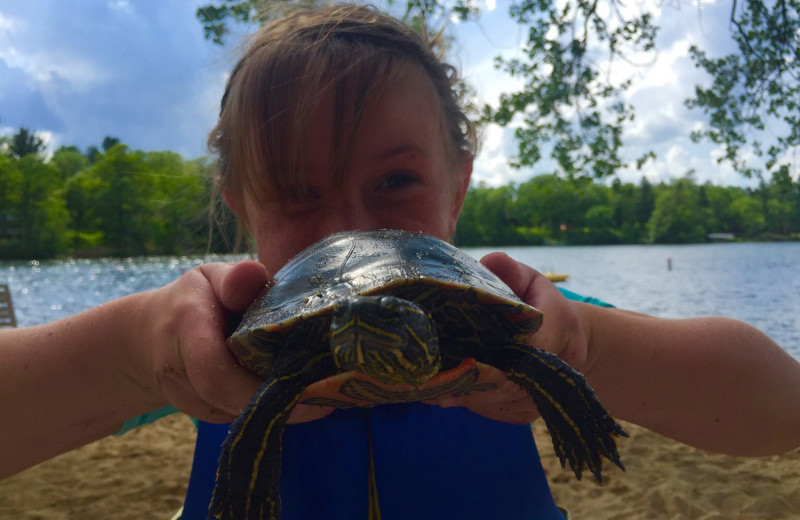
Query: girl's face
{"points": [[400, 176]]}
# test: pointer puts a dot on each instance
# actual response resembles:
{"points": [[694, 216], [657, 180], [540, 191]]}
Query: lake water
{"points": [[758, 283]]}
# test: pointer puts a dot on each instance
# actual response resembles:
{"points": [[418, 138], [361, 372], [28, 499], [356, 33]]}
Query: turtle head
{"points": [[388, 338]]}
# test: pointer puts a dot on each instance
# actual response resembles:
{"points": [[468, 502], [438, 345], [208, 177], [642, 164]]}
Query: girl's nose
{"points": [[347, 216]]}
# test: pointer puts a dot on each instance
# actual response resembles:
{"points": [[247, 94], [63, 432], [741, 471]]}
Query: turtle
{"points": [[392, 307]]}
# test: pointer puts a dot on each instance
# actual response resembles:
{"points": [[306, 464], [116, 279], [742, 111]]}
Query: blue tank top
{"points": [[430, 463]]}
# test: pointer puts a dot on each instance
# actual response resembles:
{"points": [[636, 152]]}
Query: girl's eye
{"points": [[398, 180], [306, 194]]}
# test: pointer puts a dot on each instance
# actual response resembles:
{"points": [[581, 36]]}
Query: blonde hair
{"points": [[345, 51]]}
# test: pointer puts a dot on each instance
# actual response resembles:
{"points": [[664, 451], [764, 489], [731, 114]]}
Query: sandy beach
{"points": [[668, 480], [143, 474]]}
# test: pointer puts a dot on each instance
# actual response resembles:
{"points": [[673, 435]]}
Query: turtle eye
{"points": [[393, 310]]}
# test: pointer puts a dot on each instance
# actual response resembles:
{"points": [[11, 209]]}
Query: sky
{"points": [[141, 71]]}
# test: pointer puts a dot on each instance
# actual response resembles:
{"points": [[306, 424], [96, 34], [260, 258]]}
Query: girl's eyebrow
{"points": [[399, 150]]}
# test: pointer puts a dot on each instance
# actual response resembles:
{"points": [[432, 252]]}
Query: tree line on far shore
{"points": [[116, 201], [549, 209], [111, 201]]}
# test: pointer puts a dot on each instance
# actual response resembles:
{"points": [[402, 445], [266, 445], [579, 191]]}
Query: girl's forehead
{"points": [[401, 115]]}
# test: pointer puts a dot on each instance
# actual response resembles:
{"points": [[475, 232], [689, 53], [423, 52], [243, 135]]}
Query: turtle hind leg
{"points": [[581, 429], [248, 477]]}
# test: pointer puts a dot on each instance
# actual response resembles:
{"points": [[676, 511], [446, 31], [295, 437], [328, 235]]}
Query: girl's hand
{"points": [[189, 364], [561, 333]]}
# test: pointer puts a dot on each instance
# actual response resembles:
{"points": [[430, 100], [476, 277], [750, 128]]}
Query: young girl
{"points": [[343, 119]]}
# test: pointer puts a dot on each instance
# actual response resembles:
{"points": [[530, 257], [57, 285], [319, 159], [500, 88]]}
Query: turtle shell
{"points": [[467, 301]]}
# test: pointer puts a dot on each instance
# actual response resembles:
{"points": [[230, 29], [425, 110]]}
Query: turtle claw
{"points": [[581, 429]]}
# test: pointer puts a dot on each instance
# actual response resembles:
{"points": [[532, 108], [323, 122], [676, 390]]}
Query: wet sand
{"points": [[143, 474]]}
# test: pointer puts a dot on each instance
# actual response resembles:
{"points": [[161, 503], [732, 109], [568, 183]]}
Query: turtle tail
{"points": [[248, 477], [581, 429]]}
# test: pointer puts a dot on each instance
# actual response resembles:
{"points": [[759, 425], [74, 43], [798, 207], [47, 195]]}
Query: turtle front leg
{"points": [[248, 476], [581, 428]]}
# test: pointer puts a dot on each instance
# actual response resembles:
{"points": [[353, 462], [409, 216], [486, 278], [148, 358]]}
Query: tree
{"points": [[756, 89], [10, 181], [486, 218], [10, 191], [781, 206], [79, 194], [746, 217], [625, 200], [25, 142], [180, 200], [571, 109], [567, 105], [215, 18], [41, 210], [719, 200], [599, 220], [552, 202], [109, 142], [676, 218], [646, 203], [123, 201], [69, 160], [93, 154]]}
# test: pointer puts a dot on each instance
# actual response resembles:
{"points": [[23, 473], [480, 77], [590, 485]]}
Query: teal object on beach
{"points": [[586, 299]]}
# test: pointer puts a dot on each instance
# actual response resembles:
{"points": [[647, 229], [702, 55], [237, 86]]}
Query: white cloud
{"points": [[54, 65], [723, 173], [197, 114], [491, 164], [676, 163], [7, 23], [476, 47], [21, 48], [629, 10], [50, 142], [678, 160], [121, 5], [665, 70], [490, 82], [791, 156]]}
